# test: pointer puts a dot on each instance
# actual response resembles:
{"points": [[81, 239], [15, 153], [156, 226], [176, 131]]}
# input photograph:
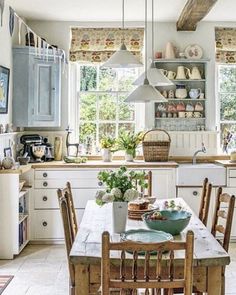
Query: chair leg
{"points": [[223, 281]]}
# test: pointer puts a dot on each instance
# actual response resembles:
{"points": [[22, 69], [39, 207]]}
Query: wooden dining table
{"points": [[209, 256]]}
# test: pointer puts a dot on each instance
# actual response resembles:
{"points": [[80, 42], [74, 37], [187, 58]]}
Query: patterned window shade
{"points": [[97, 45], [225, 45]]}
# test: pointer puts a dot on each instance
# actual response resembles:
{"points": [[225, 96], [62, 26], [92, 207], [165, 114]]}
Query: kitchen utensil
{"points": [[194, 74], [165, 72], [38, 152], [171, 75], [188, 114], [197, 115], [189, 107], [182, 73], [23, 160], [194, 93], [171, 94], [198, 107], [169, 51], [180, 107], [181, 91], [171, 108], [193, 51], [174, 223]]}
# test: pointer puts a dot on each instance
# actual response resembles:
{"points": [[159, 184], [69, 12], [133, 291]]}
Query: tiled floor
{"points": [[42, 270]]}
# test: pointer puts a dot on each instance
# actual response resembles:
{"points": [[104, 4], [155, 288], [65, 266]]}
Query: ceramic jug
{"points": [[169, 51], [195, 93], [181, 91], [171, 75], [195, 74], [181, 72]]}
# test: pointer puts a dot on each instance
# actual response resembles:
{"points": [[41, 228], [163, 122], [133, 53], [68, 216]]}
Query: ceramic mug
{"points": [[202, 95], [171, 75], [164, 93], [188, 114], [164, 72], [197, 115], [181, 114]]}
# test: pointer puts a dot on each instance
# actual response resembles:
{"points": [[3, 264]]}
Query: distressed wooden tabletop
{"points": [[87, 246]]}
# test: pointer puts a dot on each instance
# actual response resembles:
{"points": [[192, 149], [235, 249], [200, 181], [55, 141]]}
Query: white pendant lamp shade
{"points": [[155, 78], [122, 58], [145, 93]]}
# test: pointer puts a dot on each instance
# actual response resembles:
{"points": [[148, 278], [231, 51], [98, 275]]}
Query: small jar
{"points": [[233, 156]]}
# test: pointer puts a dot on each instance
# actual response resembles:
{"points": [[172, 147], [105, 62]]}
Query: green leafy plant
{"points": [[107, 142], [121, 185], [129, 141]]}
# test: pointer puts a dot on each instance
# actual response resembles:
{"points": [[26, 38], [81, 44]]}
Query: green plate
{"points": [[146, 236]]}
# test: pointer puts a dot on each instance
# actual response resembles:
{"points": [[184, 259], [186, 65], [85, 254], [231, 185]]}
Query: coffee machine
{"points": [[33, 147]]}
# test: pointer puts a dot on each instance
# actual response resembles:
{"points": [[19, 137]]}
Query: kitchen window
{"points": [[227, 99], [101, 109]]}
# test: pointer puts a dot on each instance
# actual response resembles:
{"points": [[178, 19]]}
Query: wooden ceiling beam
{"points": [[193, 12]]}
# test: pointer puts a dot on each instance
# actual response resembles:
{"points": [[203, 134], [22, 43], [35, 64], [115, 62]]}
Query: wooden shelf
{"points": [[22, 218], [181, 60]]}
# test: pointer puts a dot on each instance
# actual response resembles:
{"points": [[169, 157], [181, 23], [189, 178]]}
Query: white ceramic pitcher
{"points": [[169, 51], [182, 73], [195, 74]]}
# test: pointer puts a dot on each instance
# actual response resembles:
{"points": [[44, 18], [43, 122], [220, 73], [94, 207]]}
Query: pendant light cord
{"points": [[152, 30], [145, 39], [123, 21]]}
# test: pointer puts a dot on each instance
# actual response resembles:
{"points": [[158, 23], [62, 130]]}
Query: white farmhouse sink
{"points": [[193, 175]]}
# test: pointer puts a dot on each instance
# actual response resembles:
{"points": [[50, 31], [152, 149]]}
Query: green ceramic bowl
{"points": [[176, 221]]}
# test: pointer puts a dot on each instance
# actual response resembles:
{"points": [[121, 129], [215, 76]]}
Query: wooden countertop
{"points": [[226, 163], [22, 169], [100, 164]]}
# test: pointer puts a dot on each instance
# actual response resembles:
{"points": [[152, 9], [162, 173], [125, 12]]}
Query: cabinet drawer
{"points": [[75, 183], [232, 172], [48, 224], [66, 174], [47, 198], [232, 182]]}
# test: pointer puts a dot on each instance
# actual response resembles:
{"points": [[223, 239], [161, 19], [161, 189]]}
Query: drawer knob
{"points": [[45, 183], [45, 223], [45, 198], [45, 174], [195, 193], [100, 183]]}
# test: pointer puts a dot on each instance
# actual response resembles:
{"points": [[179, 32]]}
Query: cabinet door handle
{"points": [[45, 174], [100, 183], [45, 198], [45, 183], [45, 223], [53, 89], [195, 193]]}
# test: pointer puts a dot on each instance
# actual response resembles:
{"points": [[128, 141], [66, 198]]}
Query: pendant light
{"points": [[145, 92], [122, 58], [155, 76]]}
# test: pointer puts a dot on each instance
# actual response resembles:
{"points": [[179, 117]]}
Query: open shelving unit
{"points": [[172, 120]]}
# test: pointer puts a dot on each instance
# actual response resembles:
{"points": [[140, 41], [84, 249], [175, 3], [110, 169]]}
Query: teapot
{"points": [[195, 74]]}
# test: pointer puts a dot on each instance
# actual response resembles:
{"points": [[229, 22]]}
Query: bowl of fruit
{"points": [[169, 221]]}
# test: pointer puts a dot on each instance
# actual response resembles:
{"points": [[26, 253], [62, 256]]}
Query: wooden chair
{"points": [[148, 179], [70, 227], [152, 277], [205, 201]]}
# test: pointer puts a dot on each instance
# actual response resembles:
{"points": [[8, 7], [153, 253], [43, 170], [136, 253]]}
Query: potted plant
{"points": [[107, 144], [129, 141], [120, 189]]}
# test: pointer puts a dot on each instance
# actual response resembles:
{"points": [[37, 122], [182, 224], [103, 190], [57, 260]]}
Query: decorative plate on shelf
{"points": [[193, 51]]}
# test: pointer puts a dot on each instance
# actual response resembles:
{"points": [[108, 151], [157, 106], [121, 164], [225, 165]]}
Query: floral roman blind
{"points": [[225, 45], [98, 44]]}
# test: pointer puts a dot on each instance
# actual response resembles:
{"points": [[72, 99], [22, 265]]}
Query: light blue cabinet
{"points": [[36, 89]]}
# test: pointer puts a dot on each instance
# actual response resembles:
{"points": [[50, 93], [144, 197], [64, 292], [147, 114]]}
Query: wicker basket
{"points": [[158, 150]]}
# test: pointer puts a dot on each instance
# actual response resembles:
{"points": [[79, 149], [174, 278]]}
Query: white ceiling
{"points": [[110, 10]]}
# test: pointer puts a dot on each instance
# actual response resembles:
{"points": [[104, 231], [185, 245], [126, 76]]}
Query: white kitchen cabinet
{"points": [[164, 183], [192, 196]]}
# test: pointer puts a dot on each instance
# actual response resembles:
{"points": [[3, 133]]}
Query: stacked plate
{"points": [[137, 214]]}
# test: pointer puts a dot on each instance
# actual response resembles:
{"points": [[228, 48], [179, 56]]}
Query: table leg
{"points": [[214, 280], [81, 279]]}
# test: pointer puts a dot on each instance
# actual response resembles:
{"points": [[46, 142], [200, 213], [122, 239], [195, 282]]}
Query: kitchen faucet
{"points": [[202, 150]]}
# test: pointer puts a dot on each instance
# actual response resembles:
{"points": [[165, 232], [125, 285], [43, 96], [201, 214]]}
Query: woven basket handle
{"points": [[161, 130]]}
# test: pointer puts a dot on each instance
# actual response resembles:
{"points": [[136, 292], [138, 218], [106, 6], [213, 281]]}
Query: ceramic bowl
{"points": [[23, 160], [151, 199], [175, 222]]}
